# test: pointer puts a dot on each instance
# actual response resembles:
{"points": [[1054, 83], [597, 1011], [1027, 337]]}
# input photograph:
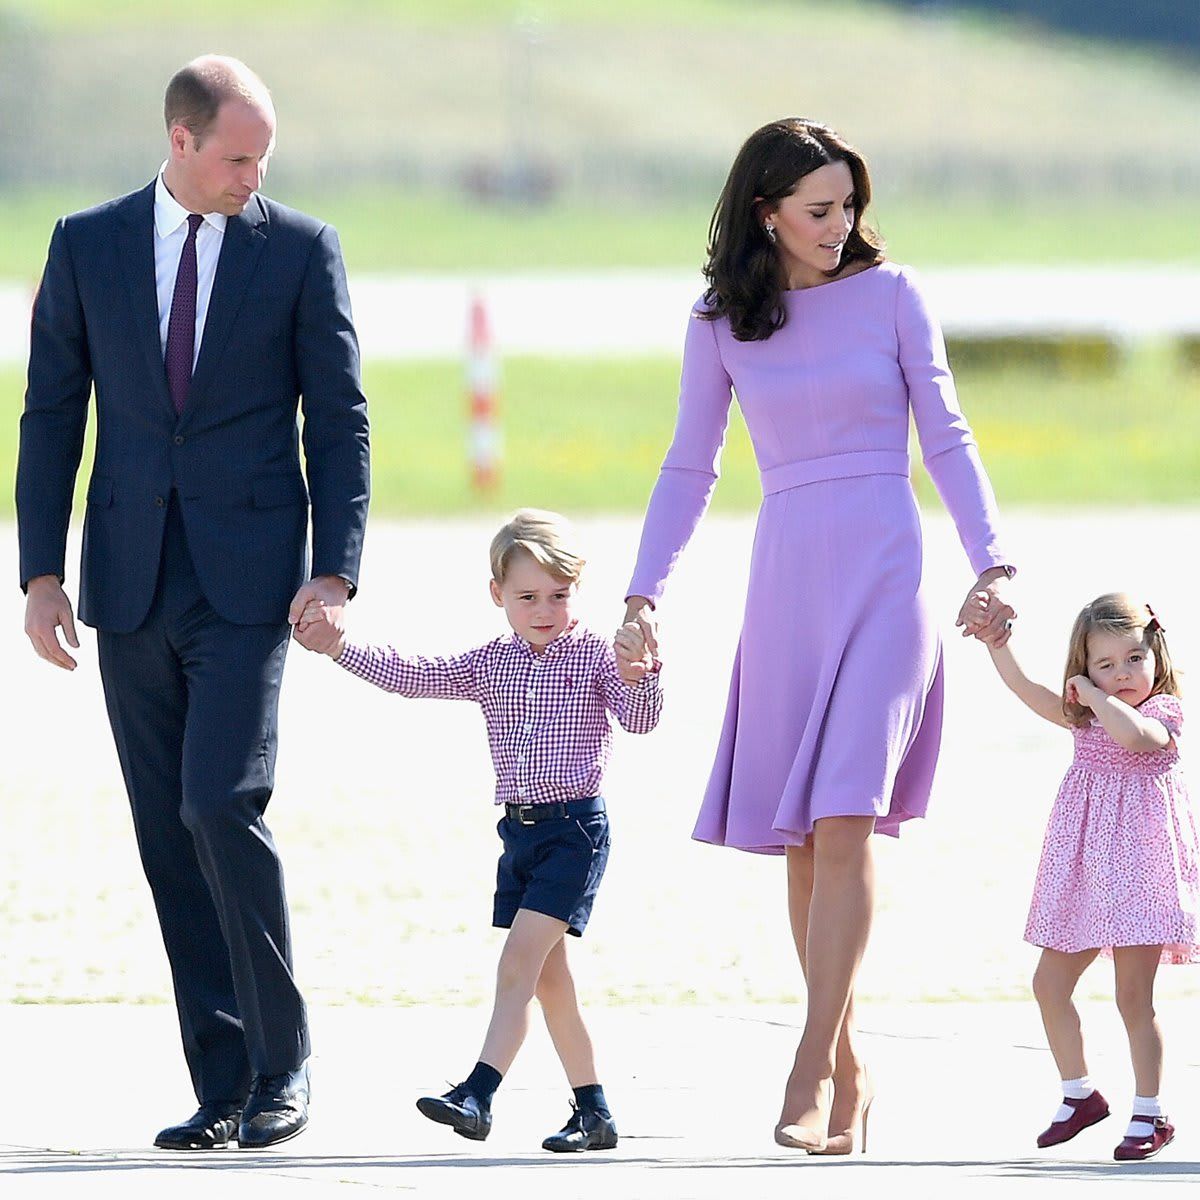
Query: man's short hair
{"points": [[197, 91]]}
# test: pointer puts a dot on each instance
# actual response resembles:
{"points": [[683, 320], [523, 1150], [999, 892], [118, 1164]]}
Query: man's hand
{"points": [[329, 593], [46, 610]]}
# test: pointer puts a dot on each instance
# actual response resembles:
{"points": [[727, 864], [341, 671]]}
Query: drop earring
{"points": [[769, 230]]}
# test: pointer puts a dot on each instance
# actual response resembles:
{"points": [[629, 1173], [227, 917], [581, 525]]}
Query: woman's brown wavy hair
{"points": [[744, 271]]}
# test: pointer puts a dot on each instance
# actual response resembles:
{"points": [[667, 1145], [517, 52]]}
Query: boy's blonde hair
{"points": [[545, 536], [1117, 612]]}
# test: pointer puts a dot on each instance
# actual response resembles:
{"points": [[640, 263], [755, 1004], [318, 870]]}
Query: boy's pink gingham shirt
{"points": [[547, 714]]}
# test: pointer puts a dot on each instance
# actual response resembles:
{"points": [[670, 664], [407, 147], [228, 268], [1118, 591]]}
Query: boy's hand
{"points": [[1081, 690], [634, 660], [318, 629]]}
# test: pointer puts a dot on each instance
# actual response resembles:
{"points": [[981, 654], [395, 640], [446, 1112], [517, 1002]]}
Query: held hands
{"points": [[47, 609], [986, 613], [318, 615], [634, 660], [636, 642], [640, 612]]}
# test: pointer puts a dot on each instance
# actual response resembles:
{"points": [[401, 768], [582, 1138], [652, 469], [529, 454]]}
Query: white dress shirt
{"points": [[170, 233]]}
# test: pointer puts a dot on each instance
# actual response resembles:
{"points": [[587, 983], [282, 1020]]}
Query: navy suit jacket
{"points": [[278, 335]]}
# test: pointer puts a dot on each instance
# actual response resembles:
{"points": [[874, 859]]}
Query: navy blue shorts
{"points": [[553, 866]]}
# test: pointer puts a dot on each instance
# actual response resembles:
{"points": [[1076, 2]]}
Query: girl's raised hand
{"points": [[1081, 690]]}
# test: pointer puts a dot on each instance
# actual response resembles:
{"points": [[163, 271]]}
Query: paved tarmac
{"points": [[963, 1090], [387, 898]]}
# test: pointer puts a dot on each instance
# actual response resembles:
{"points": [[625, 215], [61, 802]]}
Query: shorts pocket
{"points": [[595, 829]]}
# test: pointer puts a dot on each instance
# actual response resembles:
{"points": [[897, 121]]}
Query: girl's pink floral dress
{"points": [[1119, 863]]}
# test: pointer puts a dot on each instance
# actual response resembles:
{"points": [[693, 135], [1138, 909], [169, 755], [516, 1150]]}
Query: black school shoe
{"points": [[586, 1130], [461, 1110]]}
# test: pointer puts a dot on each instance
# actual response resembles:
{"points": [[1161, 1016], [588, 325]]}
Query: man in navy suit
{"points": [[203, 315]]}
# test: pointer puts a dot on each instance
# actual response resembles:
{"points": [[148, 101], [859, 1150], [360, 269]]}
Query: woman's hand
{"points": [[640, 612], [986, 613]]}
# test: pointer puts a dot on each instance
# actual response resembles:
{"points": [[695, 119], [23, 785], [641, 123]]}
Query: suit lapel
{"points": [[135, 240], [245, 237]]}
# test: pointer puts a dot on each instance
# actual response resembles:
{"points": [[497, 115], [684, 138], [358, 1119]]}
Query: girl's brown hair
{"points": [[744, 271], [1117, 612]]}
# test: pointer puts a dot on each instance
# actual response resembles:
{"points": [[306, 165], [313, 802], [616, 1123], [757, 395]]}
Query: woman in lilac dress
{"points": [[835, 706]]}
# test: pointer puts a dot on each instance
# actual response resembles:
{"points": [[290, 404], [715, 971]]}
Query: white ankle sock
{"points": [[1144, 1106], [1073, 1089]]}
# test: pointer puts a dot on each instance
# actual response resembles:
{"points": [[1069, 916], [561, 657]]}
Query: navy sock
{"points": [[483, 1082], [592, 1097]]}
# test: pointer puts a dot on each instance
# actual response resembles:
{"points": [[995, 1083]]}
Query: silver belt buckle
{"points": [[522, 811]]}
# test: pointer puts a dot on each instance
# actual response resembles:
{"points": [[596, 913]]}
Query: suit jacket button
{"points": [[159, 501], [178, 439]]}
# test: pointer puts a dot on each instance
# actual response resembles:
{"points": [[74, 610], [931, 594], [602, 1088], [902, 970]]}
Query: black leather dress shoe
{"points": [[586, 1130], [461, 1110], [210, 1127], [277, 1109]]}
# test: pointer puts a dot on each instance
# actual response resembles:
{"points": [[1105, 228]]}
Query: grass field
{"points": [[384, 232], [587, 436], [622, 104]]}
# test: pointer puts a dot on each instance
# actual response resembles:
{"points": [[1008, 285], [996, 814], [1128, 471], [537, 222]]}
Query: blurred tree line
{"points": [[1171, 24]]}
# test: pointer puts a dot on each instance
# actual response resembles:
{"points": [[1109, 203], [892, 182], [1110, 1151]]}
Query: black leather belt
{"points": [[531, 814]]}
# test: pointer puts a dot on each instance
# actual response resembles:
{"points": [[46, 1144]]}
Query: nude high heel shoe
{"points": [[843, 1141], [803, 1137]]}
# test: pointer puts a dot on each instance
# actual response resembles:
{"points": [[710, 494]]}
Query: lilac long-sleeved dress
{"points": [[835, 706]]}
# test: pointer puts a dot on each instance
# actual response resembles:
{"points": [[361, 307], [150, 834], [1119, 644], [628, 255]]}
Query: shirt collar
{"points": [[571, 634], [169, 214]]}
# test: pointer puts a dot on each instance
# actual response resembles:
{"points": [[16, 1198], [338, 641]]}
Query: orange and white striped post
{"points": [[484, 440]]}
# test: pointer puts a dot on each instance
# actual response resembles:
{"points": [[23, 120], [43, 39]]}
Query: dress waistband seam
{"points": [[854, 463]]}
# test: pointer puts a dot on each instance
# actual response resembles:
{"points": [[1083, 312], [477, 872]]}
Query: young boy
{"points": [[547, 692]]}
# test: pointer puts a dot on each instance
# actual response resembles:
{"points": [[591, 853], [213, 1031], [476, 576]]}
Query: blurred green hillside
{"points": [[620, 98], [492, 134]]}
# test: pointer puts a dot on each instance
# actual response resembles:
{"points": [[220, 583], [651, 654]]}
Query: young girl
{"points": [[1118, 872], [549, 692]]}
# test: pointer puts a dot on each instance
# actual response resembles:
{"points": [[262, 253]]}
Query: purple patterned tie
{"points": [[181, 328]]}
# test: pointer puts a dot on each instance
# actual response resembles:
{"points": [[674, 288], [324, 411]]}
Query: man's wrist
{"points": [[337, 580]]}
